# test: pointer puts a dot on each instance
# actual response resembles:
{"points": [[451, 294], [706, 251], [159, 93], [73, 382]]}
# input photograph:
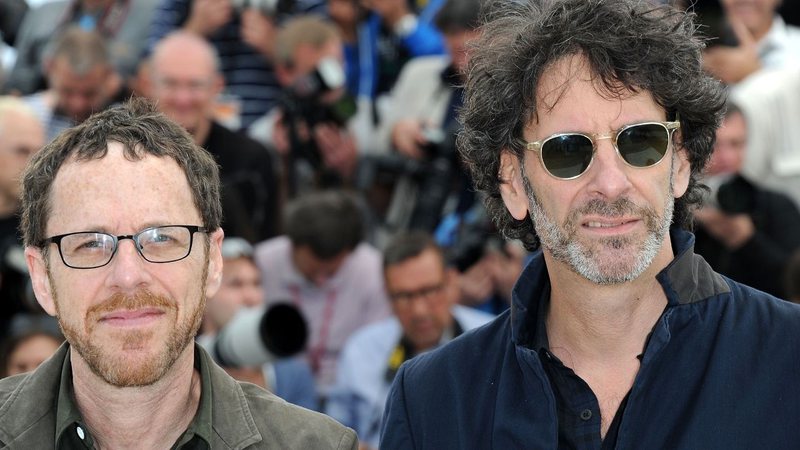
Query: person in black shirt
{"points": [[185, 82], [21, 135]]}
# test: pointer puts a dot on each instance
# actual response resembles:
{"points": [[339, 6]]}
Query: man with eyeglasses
{"points": [[120, 218], [423, 293], [588, 123]]}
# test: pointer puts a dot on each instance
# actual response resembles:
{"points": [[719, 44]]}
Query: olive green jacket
{"points": [[244, 416]]}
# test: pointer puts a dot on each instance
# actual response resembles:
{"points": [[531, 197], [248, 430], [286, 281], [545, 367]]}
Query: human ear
{"points": [[511, 188], [40, 279], [681, 172], [214, 279]]}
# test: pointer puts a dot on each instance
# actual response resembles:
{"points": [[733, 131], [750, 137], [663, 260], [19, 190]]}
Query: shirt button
{"points": [[586, 414], [80, 432]]}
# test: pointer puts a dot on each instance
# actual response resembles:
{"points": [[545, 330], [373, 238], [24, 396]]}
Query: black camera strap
{"points": [[404, 351]]}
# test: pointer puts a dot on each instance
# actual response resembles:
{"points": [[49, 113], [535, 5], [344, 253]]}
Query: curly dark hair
{"points": [[629, 45], [142, 130]]}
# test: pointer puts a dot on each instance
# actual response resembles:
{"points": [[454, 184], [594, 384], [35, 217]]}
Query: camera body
{"points": [[306, 96], [310, 100], [732, 194], [736, 196]]}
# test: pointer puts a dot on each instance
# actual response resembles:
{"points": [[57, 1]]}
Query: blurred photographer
{"points": [[326, 269], [744, 231], [310, 128], [240, 288], [420, 125]]}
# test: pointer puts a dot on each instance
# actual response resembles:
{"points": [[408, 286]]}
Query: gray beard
{"points": [[584, 259]]}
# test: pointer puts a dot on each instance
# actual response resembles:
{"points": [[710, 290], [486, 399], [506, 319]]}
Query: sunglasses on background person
{"points": [[567, 156]]}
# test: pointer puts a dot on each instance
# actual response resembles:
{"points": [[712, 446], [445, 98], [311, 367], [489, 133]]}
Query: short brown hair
{"points": [[304, 30], [142, 131]]}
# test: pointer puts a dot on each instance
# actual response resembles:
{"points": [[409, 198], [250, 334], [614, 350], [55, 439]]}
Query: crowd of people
{"points": [[375, 202]]}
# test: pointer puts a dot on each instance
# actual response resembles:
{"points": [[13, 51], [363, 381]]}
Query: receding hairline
{"points": [[74, 161], [182, 42]]}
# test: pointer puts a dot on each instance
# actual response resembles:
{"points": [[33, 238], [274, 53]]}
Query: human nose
{"points": [[128, 271], [254, 296], [608, 173], [418, 304]]}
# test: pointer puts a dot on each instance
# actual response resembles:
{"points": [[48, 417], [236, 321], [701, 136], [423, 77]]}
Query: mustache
{"points": [[139, 300], [618, 207]]}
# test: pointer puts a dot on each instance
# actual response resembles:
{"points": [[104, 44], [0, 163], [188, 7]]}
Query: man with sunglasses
{"points": [[587, 123], [121, 223]]}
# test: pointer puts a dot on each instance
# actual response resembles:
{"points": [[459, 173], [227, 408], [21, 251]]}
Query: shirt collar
{"points": [[68, 417]]}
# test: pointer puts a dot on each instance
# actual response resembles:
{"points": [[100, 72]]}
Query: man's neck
{"points": [[600, 331], [153, 416], [599, 323], [201, 132]]}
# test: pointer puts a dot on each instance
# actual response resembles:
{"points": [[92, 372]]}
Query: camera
{"points": [[306, 100], [305, 96], [433, 177], [737, 196], [270, 8], [256, 336]]}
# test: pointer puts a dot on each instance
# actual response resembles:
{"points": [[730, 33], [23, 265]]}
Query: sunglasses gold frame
{"points": [[537, 146]]}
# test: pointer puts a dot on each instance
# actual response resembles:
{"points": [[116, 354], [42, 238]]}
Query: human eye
{"points": [[162, 236], [86, 243]]}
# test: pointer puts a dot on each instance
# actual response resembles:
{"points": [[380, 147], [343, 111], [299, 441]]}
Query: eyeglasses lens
{"points": [[567, 156], [643, 145], [165, 244]]}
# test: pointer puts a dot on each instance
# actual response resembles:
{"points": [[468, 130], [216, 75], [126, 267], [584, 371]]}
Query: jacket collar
{"points": [[687, 279], [223, 403]]}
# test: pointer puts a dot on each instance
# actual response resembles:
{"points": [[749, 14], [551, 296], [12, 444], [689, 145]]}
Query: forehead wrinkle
{"points": [[77, 177], [561, 75]]}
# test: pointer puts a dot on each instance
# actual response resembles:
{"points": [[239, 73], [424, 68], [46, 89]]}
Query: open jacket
{"points": [[244, 416], [721, 370]]}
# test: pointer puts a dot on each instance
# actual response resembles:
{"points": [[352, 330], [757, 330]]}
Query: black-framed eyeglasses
{"points": [[426, 293], [567, 156], [92, 249]]}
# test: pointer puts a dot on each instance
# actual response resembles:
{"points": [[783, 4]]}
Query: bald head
{"points": [[191, 47], [186, 79], [21, 135]]}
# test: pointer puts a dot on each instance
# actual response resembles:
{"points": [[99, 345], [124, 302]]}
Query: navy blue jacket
{"points": [[721, 370]]}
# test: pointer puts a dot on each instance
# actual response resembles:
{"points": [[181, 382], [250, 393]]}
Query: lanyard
{"points": [[317, 350]]}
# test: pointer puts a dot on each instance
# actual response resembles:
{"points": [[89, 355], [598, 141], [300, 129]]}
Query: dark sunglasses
{"points": [[568, 155]]}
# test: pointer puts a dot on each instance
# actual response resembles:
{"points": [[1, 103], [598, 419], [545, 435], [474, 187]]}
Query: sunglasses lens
{"points": [[567, 156], [643, 145]]}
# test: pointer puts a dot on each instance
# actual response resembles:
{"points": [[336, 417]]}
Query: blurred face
{"points": [[343, 12], [240, 287], [79, 95], [757, 15], [314, 268], [185, 83], [456, 44], [422, 293], [20, 137], [30, 353], [130, 320], [729, 147]]}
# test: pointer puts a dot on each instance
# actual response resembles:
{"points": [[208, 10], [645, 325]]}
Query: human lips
{"points": [[612, 225], [132, 318]]}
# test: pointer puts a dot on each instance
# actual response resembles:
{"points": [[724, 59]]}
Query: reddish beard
{"points": [[129, 363]]}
